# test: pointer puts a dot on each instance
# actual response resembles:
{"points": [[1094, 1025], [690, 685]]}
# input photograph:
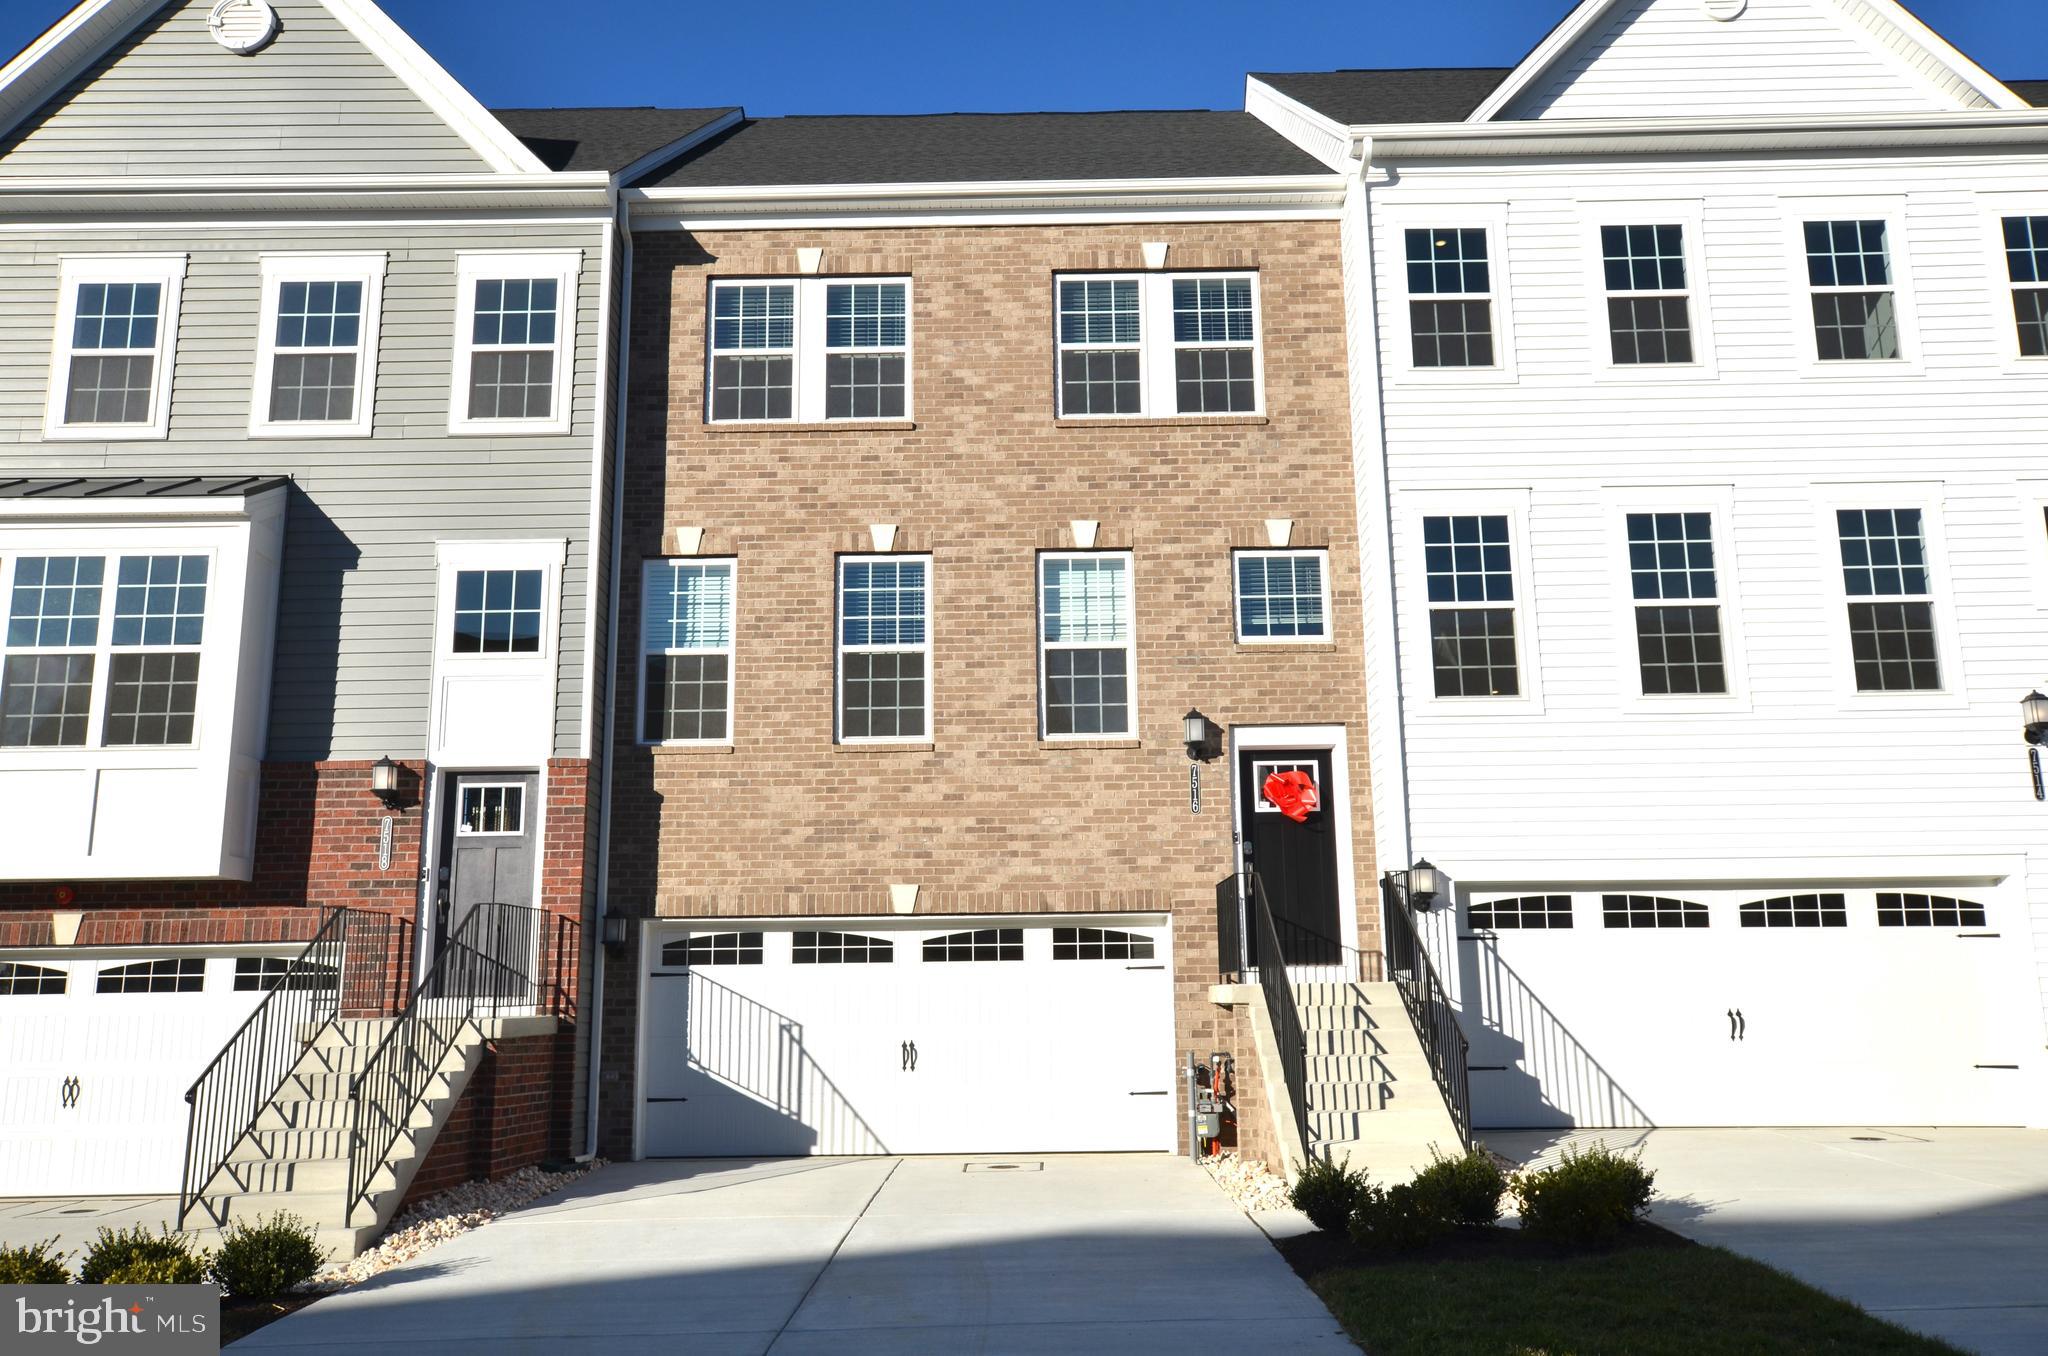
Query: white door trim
{"points": [[1245, 738]]}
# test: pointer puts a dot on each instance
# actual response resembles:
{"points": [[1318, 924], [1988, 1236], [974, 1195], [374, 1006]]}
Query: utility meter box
{"points": [[1209, 1124]]}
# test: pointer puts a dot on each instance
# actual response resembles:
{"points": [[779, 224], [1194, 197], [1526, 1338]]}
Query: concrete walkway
{"points": [[75, 1221], [1941, 1231], [1068, 1254]]}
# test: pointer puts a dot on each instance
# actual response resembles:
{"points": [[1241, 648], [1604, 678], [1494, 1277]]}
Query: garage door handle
{"points": [[1738, 1026], [910, 1056], [69, 1092]]}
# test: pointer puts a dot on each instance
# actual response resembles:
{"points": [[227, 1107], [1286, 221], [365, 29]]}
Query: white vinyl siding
{"points": [[115, 347]]}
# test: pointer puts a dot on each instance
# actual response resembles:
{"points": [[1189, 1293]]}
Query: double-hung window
{"points": [[1855, 302], [102, 651], [1469, 571], [1891, 599], [1087, 673], [1677, 607], [885, 646], [117, 324], [1282, 596], [1157, 344], [809, 350], [316, 366], [2026, 263], [515, 332], [1450, 297], [686, 629], [1649, 308], [498, 611]]}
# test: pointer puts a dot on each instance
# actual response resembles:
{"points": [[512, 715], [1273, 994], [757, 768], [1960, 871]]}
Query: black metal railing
{"points": [[1281, 1008], [502, 960], [1428, 1003], [1312, 956], [349, 967]]}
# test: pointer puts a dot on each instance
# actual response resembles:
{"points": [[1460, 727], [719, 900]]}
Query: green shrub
{"points": [[1462, 1190], [1327, 1193], [33, 1264], [1589, 1197], [263, 1260], [1398, 1219], [139, 1257]]}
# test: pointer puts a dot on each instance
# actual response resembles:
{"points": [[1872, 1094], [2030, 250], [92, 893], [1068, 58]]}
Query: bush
{"points": [[1590, 1197], [263, 1260], [139, 1257], [1462, 1190], [33, 1264], [1328, 1193], [1398, 1219]]}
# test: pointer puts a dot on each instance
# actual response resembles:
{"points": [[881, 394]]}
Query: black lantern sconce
{"points": [[2034, 717], [384, 782], [1425, 883], [1203, 736], [615, 932]]}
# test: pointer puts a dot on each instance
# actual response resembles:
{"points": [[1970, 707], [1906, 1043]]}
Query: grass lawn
{"points": [[1496, 1292]]}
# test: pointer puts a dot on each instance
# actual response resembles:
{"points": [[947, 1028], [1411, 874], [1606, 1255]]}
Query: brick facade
{"points": [[987, 818], [513, 1115]]}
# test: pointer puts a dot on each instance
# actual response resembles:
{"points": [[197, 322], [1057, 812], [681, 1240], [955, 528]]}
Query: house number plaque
{"points": [[1194, 788], [384, 844]]}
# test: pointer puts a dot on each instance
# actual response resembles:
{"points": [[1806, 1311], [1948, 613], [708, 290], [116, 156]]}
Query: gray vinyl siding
{"points": [[170, 100], [356, 616]]}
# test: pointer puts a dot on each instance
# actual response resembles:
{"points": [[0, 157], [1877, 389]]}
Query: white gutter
{"points": [[595, 180]]}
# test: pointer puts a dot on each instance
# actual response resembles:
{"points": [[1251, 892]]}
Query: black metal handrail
{"points": [[346, 967], [503, 959], [1428, 1003], [1281, 1008], [1306, 950]]}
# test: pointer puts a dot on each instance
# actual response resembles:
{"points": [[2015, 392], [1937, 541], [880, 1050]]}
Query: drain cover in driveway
{"points": [[1002, 1167]]}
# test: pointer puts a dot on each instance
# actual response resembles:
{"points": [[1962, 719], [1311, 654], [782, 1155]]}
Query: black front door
{"points": [[1297, 862], [487, 845]]}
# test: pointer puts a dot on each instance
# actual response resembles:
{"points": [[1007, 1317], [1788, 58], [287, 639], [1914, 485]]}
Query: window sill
{"points": [[1064, 745], [882, 746], [1174, 421], [791, 426], [687, 750], [1283, 646]]}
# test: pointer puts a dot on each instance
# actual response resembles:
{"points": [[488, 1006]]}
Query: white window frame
{"points": [[1321, 554], [809, 359], [1997, 207], [840, 649], [563, 267], [1410, 558], [648, 569], [1689, 216], [1489, 217], [1158, 382], [74, 271], [104, 650], [1129, 644], [2033, 511], [1717, 502], [279, 269], [1928, 498], [460, 557], [1891, 211]]}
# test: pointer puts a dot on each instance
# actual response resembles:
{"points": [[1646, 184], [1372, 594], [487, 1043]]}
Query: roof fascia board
{"points": [[63, 52], [655, 159], [1652, 135], [1316, 134], [1559, 41], [439, 90]]}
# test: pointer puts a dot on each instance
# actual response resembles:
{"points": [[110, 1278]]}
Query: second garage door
{"points": [[869, 1037]]}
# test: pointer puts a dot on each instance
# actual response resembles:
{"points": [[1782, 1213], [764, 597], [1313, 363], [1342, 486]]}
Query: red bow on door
{"points": [[1293, 794]]}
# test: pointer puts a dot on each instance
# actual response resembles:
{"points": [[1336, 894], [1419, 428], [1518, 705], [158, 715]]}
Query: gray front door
{"points": [[487, 845]]}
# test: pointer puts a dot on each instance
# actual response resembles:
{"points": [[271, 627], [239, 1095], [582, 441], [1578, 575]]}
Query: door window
{"points": [[492, 809], [1099, 944], [714, 948], [186, 974], [1262, 769], [983, 944], [840, 948], [19, 977]]}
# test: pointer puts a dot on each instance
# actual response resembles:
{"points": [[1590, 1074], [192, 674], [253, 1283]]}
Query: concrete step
{"points": [[1389, 1161], [315, 1087], [1329, 1042], [1346, 1096], [323, 1209], [297, 1113], [1387, 1122], [297, 1175], [275, 1144], [349, 1031], [1332, 995], [1367, 1067]]}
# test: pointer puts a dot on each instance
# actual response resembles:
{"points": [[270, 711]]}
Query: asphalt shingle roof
{"points": [[987, 147], [606, 139], [2034, 92], [1358, 98]]}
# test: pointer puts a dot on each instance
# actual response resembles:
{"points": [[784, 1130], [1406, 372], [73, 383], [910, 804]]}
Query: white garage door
{"points": [[96, 1053], [869, 1037], [1794, 1006]]}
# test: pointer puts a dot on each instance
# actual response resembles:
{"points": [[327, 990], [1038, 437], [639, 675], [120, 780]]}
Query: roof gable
{"points": [[121, 88], [1742, 58]]}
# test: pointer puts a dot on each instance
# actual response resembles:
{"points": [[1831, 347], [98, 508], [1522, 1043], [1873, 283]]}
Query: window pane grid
{"points": [[1902, 910], [20, 979], [686, 638], [1099, 944], [1449, 261], [840, 948], [325, 315], [1649, 911], [45, 700], [55, 602], [1847, 263], [983, 944], [718, 948], [115, 316], [160, 600], [2026, 260], [497, 612], [1280, 597], [187, 974], [1526, 912], [1892, 643], [1797, 911], [884, 637]]}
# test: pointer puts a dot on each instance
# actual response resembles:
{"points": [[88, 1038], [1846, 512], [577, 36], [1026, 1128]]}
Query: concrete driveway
{"points": [[1942, 1231], [74, 1221], [1112, 1253]]}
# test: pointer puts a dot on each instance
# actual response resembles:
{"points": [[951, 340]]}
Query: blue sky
{"points": [[900, 56]]}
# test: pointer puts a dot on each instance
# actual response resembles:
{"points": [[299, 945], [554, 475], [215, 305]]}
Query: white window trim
{"points": [[730, 649], [807, 356], [840, 649], [564, 267], [1905, 311], [1688, 215], [168, 270], [1414, 584], [103, 649], [1928, 499], [1158, 384], [2001, 317], [1717, 501], [2033, 515], [464, 787], [1129, 645], [455, 558], [1400, 340], [279, 269], [1321, 554]]}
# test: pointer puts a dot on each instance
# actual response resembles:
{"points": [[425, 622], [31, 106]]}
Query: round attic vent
{"points": [[242, 26], [1724, 10]]}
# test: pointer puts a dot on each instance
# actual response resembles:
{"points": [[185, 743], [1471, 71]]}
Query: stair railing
{"points": [[1281, 1008], [346, 967], [1312, 957], [1428, 1003], [501, 960]]}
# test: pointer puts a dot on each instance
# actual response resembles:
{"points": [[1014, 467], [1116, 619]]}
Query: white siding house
{"points": [[1691, 369]]}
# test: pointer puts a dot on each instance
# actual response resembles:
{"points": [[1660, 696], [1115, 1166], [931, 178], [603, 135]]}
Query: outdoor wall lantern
{"points": [[615, 931], [384, 781], [1424, 882], [1204, 737], [2034, 713]]}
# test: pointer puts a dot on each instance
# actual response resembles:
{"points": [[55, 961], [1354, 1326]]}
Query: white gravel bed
{"points": [[1248, 1182], [439, 1218]]}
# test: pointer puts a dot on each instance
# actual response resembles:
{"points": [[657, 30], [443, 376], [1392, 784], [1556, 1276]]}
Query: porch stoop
{"points": [[1372, 1100]]}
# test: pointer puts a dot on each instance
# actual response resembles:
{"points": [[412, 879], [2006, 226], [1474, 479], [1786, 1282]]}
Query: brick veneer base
{"points": [[513, 1114]]}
